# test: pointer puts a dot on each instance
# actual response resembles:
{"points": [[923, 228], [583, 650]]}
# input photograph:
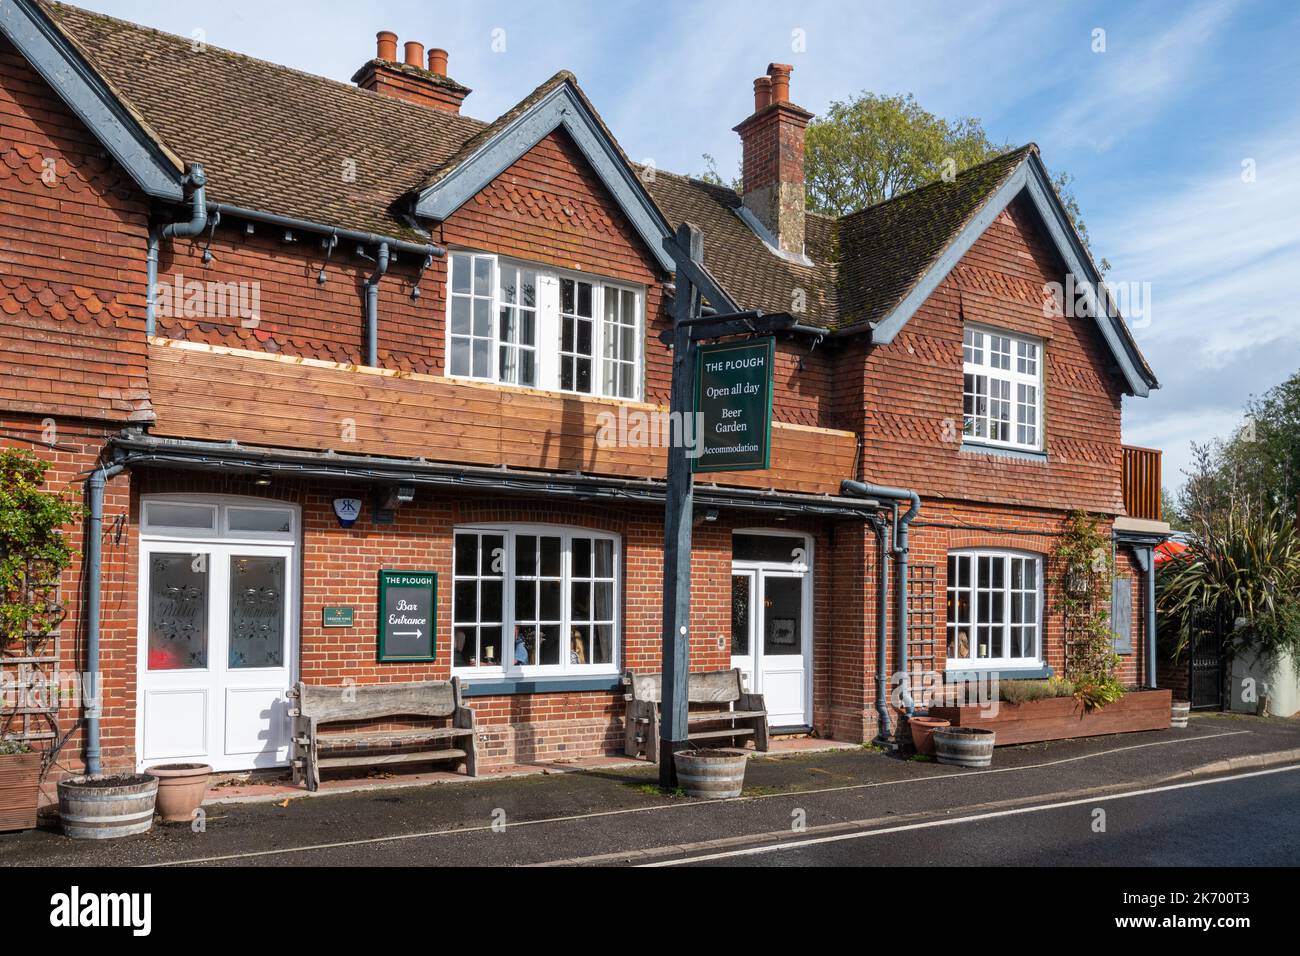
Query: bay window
{"points": [[553, 330], [994, 609], [1002, 394], [534, 601]]}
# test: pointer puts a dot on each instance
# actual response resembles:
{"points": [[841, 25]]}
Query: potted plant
{"points": [[964, 746], [107, 805], [20, 779], [1242, 567], [181, 789], [923, 728], [715, 774]]}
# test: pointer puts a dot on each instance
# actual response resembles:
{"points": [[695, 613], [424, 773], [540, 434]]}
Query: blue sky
{"points": [[1160, 129]]}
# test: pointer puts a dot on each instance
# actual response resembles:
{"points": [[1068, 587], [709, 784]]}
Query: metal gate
{"points": [[1206, 661]]}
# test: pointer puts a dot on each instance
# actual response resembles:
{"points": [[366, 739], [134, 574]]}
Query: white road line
{"points": [[673, 806], [954, 821]]}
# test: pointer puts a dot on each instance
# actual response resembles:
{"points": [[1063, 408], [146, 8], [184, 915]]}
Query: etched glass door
{"points": [[217, 650]]}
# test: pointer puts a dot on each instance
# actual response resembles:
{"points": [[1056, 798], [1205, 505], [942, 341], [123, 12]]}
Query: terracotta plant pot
{"points": [[181, 789], [923, 729], [20, 778]]}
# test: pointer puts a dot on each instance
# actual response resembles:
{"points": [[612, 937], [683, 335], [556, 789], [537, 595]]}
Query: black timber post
{"points": [[678, 517]]}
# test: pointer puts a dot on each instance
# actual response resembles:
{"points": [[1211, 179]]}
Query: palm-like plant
{"points": [[1245, 568]]}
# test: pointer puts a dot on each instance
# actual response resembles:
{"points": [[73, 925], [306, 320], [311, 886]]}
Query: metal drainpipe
{"points": [[94, 567], [192, 227], [1151, 618], [862, 490], [882, 628], [372, 305]]}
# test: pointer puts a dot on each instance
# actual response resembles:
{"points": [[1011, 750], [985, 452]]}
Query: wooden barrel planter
{"points": [[716, 774], [20, 779], [964, 746], [1180, 710], [106, 806]]}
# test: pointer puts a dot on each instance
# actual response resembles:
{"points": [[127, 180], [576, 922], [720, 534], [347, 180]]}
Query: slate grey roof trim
{"points": [[90, 98], [1029, 177], [562, 107]]}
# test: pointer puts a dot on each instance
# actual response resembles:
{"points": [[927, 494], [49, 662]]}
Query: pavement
{"points": [[616, 815]]}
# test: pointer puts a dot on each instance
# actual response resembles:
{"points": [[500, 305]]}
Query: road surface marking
{"points": [[394, 838], [953, 821]]}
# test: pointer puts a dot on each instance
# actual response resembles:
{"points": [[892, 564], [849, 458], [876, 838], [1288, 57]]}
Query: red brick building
{"points": [[245, 300]]}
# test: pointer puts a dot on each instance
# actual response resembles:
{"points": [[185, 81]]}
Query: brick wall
{"points": [[912, 398]]}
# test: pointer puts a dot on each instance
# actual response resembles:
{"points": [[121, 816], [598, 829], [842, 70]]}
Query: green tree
{"points": [[871, 147], [1256, 468]]}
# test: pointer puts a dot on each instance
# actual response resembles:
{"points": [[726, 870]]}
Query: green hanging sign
{"points": [[733, 405], [408, 615]]}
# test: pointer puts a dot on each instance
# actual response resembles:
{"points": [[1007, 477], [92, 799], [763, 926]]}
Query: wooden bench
{"points": [[718, 709], [317, 705]]}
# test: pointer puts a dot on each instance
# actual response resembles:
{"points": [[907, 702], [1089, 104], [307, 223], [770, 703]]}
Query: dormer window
{"points": [[519, 323], [1002, 393]]}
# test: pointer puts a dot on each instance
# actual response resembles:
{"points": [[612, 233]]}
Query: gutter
{"points": [[897, 495], [94, 571], [882, 629], [231, 456]]}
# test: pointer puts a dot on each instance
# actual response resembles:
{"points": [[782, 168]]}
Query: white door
{"points": [[218, 633], [771, 622]]}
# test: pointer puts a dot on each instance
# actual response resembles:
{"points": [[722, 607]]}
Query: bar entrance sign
{"points": [[733, 397], [408, 616]]}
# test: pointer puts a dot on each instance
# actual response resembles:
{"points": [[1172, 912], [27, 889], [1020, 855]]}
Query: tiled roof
{"points": [[278, 140], [888, 247]]}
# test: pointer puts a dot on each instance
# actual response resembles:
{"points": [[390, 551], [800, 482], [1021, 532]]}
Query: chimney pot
{"points": [[414, 53], [762, 93], [780, 74], [386, 47], [438, 61]]}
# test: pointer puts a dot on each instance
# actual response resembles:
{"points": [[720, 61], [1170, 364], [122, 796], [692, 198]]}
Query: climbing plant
{"points": [[1086, 566], [34, 551]]}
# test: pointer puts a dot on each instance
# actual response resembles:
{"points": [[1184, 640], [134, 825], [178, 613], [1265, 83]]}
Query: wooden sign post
{"points": [[689, 326]]}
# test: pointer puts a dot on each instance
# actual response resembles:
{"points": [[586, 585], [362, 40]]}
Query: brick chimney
{"points": [[411, 79], [772, 170]]}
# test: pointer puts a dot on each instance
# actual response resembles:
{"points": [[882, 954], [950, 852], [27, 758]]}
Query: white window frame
{"points": [[971, 587], [508, 669], [977, 359], [547, 326]]}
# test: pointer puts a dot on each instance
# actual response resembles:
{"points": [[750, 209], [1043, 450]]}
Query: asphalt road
{"points": [[1249, 820]]}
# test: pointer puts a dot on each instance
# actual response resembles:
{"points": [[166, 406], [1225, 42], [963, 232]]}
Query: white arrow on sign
{"points": [[417, 633]]}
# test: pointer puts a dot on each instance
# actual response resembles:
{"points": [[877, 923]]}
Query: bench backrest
{"points": [[434, 698], [702, 687]]}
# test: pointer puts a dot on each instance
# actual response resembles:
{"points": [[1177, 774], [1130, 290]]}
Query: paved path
{"points": [[617, 816]]}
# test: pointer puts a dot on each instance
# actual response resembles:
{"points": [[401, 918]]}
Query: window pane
{"points": [[260, 520], [509, 284], [526, 554], [550, 601], [482, 358], [604, 601], [783, 618], [256, 612], [741, 608], [482, 276], [466, 602], [466, 553], [493, 556], [581, 557], [490, 601], [178, 611], [549, 652], [161, 514], [765, 547], [601, 649], [460, 268], [526, 600], [604, 566], [550, 556]]}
